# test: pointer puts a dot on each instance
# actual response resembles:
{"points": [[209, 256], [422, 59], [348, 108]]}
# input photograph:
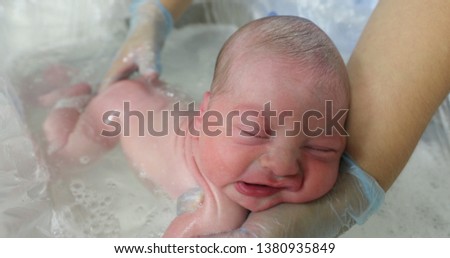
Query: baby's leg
{"points": [[50, 99], [74, 135], [125, 111], [63, 117]]}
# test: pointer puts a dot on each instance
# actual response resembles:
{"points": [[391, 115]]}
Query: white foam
{"points": [[24, 208], [106, 199]]}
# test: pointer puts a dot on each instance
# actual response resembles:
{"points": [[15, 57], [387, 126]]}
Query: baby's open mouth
{"points": [[255, 190]]}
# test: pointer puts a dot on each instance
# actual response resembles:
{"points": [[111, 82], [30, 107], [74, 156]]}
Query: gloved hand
{"points": [[355, 197], [150, 24]]}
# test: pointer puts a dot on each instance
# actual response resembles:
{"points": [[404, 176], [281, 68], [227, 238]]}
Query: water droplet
{"points": [[85, 160], [170, 94]]}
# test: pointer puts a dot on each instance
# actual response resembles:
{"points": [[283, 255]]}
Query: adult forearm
{"points": [[176, 7], [399, 74]]}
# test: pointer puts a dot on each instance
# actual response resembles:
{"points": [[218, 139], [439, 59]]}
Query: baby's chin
{"points": [[258, 204], [261, 204]]}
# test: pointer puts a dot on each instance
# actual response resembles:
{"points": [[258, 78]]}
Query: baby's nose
{"points": [[282, 162]]}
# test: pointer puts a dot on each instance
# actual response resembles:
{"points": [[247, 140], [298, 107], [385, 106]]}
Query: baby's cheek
{"points": [[320, 179], [328, 178], [216, 159]]}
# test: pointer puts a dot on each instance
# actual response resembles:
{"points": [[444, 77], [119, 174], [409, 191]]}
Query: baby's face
{"points": [[261, 168]]}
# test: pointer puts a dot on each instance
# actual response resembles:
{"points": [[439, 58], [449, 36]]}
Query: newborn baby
{"points": [[261, 136]]}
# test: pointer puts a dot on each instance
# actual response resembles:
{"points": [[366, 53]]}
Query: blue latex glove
{"points": [[355, 197], [149, 26]]}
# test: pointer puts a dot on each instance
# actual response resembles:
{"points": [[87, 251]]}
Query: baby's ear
{"points": [[203, 109], [205, 103]]}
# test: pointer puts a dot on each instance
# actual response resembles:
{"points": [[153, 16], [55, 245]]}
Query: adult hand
{"points": [[150, 24]]}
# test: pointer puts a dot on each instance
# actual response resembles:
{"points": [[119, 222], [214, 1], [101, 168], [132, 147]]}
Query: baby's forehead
{"points": [[281, 70], [281, 76]]}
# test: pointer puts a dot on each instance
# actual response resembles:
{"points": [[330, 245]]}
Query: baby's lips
{"points": [[292, 183], [255, 190], [288, 183]]}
